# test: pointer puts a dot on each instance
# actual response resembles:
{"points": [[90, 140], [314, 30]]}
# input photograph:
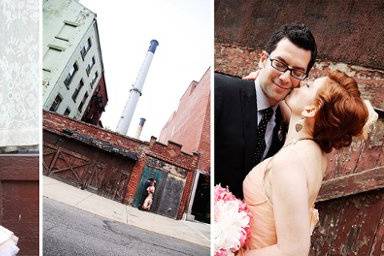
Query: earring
{"points": [[300, 124]]}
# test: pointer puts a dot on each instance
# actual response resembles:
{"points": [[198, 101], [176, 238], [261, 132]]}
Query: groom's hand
{"points": [[251, 76]]}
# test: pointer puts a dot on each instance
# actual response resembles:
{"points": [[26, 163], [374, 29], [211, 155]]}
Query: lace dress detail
{"points": [[19, 74]]}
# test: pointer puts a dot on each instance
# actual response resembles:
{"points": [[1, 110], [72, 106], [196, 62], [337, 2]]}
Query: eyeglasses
{"points": [[282, 67]]}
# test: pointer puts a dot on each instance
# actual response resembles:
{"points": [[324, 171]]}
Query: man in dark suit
{"points": [[247, 117]]}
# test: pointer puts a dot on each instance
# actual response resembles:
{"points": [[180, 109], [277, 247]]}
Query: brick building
{"points": [[116, 166], [189, 126], [96, 105], [19, 204], [351, 201]]}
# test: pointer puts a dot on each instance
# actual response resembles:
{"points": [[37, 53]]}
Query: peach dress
{"points": [[263, 231]]}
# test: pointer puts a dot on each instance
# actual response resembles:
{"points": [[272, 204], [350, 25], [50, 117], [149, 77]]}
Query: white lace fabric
{"points": [[19, 73]]}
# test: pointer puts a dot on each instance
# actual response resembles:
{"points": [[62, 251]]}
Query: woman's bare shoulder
{"points": [[298, 157], [286, 157], [285, 165]]}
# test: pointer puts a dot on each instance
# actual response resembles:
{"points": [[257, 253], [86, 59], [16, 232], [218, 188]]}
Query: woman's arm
{"points": [[289, 194]]}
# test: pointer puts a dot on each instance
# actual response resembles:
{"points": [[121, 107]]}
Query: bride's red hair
{"points": [[342, 113]]}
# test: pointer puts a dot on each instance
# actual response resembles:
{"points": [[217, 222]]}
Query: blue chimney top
{"points": [[152, 47]]}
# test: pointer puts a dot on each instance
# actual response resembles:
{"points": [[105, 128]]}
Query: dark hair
{"points": [[342, 113], [300, 35]]}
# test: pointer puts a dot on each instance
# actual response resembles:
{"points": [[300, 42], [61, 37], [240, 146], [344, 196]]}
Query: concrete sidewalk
{"points": [[194, 232]]}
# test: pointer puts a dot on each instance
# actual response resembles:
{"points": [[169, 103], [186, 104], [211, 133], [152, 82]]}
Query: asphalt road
{"points": [[71, 231]]}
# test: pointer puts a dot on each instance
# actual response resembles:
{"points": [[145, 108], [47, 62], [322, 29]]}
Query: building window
{"points": [[90, 66], [56, 103], [67, 112], [80, 108], [62, 38], [71, 23], [71, 74], [56, 47], [84, 50], [89, 42], [78, 89], [66, 32], [50, 59], [94, 79]]}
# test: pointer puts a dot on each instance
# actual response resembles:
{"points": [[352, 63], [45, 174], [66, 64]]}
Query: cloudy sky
{"points": [[184, 30]]}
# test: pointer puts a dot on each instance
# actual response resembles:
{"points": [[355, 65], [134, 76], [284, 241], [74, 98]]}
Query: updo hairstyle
{"points": [[342, 113]]}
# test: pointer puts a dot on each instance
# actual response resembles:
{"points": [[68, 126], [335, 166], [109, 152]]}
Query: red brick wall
{"points": [[345, 31], [240, 61], [58, 123], [185, 197], [170, 153], [177, 123], [19, 202], [235, 60], [204, 146], [190, 124], [134, 180]]}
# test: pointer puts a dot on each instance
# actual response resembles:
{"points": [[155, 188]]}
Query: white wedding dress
{"points": [[8, 242]]}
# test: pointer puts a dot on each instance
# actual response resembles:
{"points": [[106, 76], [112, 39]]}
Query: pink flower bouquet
{"points": [[231, 222]]}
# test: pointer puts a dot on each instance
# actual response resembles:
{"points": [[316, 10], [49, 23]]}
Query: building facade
{"points": [[97, 104], [117, 167], [189, 126], [72, 60]]}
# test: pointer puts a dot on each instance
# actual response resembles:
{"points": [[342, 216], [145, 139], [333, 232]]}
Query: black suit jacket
{"points": [[235, 118]]}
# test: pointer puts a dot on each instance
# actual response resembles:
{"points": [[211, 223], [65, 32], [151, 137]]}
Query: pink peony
{"points": [[231, 222]]}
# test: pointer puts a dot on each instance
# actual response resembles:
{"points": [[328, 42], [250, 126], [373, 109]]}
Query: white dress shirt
{"points": [[262, 103]]}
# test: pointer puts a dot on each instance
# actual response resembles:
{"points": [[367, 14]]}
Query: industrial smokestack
{"points": [[140, 128], [136, 91]]}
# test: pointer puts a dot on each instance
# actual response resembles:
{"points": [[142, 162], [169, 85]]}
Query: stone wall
{"points": [[346, 31], [241, 60]]}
